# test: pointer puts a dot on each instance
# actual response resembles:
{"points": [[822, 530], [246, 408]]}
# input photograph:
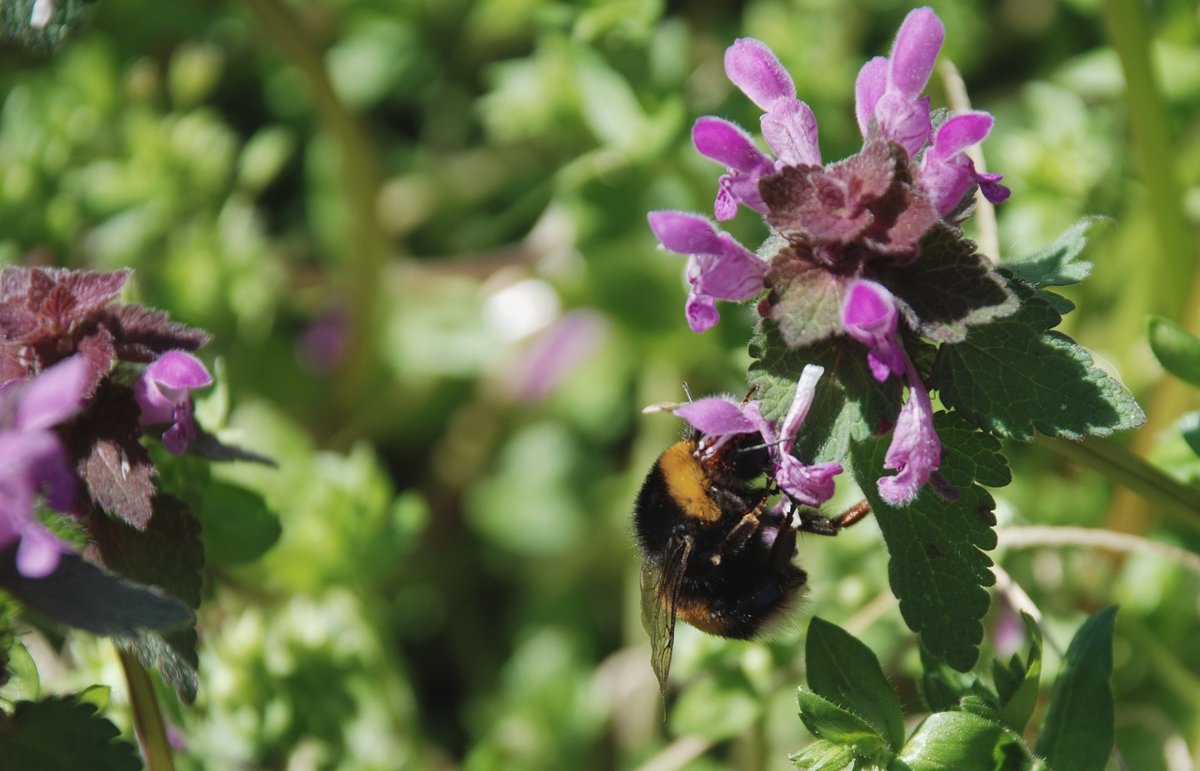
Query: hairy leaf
{"points": [[824, 756], [1077, 734], [169, 555], [948, 289], [111, 461], [937, 564], [1015, 376], [805, 301], [79, 594], [1057, 265], [834, 723], [951, 741], [62, 734], [846, 672]]}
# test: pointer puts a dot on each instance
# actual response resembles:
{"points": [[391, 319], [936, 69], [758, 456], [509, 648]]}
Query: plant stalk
{"points": [[147, 717]]}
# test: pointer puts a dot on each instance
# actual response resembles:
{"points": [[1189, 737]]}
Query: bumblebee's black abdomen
{"points": [[736, 608]]}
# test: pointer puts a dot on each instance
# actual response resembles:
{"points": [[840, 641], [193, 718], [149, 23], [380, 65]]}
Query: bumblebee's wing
{"points": [[660, 598]]}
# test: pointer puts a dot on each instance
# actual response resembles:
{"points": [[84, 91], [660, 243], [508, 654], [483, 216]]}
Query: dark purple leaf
{"points": [[142, 334], [113, 464]]}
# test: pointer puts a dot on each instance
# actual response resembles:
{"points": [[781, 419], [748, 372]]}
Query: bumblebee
{"points": [[714, 553]]}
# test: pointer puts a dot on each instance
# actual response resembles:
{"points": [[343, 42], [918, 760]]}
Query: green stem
{"points": [[147, 718], [366, 241], [1115, 462]]}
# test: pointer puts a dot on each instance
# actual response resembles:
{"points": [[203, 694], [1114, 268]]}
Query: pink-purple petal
{"points": [[54, 395], [915, 451], [868, 88], [790, 128], [179, 371], [39, 552], [727, 144], [754, 68], [684, 233], [716, 416], [806, 391], [915, 51], [870, 316], [809, 485], [960, 132]]}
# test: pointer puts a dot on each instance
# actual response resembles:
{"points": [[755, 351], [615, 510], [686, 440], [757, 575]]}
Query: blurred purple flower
{"points": [[163, 394], [719, 268], [33, 460], [555, 353], [322, 346]]}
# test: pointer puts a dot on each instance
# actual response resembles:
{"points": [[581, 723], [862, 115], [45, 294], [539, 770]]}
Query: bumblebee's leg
{"points": [[741, 533], [822, 525]]}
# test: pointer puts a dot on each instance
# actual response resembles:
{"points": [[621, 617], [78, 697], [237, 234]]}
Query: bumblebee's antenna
{"points": [[687, 392]]}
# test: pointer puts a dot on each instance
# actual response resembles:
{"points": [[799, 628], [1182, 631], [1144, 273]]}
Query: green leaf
{"points": [[849, 404], [805, 301], [62, 734], [19, 678], [823, 755], [238, 527], [1017, 684], [168, 555], [80, 595], [1015, 376], [943, 688], [937, 565], [1176, 349], [949, 289], [839, 725], [955, 741], [1057, 264], [1077, 734], [1189, 427], [845, 671]]}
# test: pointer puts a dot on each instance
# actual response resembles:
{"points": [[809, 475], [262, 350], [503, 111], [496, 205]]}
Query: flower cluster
{"points": [[72, 403], [847, 231]]}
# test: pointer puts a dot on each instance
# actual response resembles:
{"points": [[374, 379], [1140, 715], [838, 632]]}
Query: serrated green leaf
{"points": [[1176, 349], [1077, 734], [170, 556], [238, 527], [80, 595], [62, 734], [837, 724], [849, 403], [843, 670], [805, 301], [1057, 265], [949, 289], [823, 755], [937, 565], [1015, 376], [955, 741]]}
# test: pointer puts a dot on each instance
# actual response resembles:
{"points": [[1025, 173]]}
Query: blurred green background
{"points": [[417, 231]]}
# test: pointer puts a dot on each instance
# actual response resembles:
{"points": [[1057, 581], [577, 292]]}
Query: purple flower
{"points": [[725, 143], [720, 419], [946, 173], [33, 460], [915, 451], [869, 315], [719, 268], [788, 125], [162, 393], [888, 91]]}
